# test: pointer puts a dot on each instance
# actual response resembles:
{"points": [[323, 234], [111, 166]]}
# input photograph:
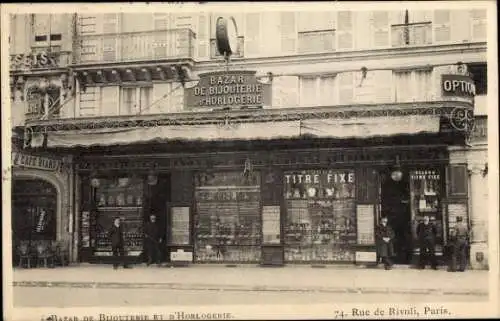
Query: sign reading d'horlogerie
{"points": [[228, 89]]}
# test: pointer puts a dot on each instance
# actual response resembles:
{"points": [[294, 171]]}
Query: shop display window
{"points": [[227, 221], [34, 210], [425, 193], [119, 197], [320, 216]]}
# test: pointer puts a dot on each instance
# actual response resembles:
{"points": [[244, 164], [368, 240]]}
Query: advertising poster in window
{"points": [[321, 215]]}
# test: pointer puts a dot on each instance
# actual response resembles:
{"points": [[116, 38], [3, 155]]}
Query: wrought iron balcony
{"points": [[136, 46], [316, 41], [414, 34]]}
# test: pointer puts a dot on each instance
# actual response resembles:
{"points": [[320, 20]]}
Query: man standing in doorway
{"points": [[427, 234], [117, 244], [459, 240], [385, 247], [152, 241]]}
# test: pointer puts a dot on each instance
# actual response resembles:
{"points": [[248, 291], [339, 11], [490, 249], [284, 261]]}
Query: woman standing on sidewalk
{"points": [[384, 240]]}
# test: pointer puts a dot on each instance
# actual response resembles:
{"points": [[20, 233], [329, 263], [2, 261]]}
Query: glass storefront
{"points": [[118, 197], [320, 215], [426, 195], [227, 219], [34, 210]]}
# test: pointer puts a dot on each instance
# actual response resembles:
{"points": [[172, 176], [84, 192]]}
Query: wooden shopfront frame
{"points": [[182, 168]]}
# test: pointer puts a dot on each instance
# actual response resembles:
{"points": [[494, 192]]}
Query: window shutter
{"points": [[89, 102], [288, 32], [346, 88], [383, 86], [203, 37], [345, 39], [308, 91], [327, 91], [423, 85], [87, 25], [285, 91], [457, 180], [110, 43], [252, 34], [479, 25], [380, 29], [403, 86], [177, 98], [160, 39], [127, 101], [461, 31], [161, 103], [110, 100], [441, 26]]}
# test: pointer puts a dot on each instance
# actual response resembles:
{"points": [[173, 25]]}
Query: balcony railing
{"points": [[136, 46], [414, 34], [316, 41]]}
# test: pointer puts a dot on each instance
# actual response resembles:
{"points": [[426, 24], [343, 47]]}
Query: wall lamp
{"points": [[397, 174]]}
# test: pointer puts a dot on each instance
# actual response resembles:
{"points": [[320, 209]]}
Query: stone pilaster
{"points": [[478, 216]]}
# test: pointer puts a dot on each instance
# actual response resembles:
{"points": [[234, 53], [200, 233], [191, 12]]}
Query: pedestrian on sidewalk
{"points": [[118, 244], [152, 241], [459, 236], [384, 242], [427, 233]]}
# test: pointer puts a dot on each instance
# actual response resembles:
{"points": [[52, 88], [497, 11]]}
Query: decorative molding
{"points": [[440, 109], [264, 159]]}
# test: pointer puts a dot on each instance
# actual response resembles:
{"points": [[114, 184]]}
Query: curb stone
{"points": [[260, 288]]}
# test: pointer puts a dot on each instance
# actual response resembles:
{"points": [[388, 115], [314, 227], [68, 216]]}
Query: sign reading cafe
{"points": [[228, 89]]}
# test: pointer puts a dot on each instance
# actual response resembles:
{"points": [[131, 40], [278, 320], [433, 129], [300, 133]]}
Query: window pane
{"points": [[308, 91], [227, 222], [321, 216]]}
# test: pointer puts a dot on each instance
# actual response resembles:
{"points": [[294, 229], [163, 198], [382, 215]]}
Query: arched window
{"points": [[34, 207]]}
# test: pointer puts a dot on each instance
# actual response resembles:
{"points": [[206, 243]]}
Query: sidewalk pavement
{"points": [[334, 279]]}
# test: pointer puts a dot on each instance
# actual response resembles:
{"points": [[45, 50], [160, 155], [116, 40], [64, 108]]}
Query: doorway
{"points": [[159, 198], [395, 205]]}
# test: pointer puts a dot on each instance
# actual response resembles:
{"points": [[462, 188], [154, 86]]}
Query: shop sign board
{"points": [[228, 90], [425, 175], [37, 162], [33, 60], [460, 86]]}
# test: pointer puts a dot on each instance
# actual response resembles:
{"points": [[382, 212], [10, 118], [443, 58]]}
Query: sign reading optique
{"points": [[228, 89]]}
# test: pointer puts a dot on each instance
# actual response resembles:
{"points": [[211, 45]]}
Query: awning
{"points": [[321, 128]]}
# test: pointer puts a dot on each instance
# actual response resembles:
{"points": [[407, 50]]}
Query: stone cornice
{"points": [[351, 55], [441, 108]]}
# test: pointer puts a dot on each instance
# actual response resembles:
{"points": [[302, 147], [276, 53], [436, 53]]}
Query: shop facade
{"points": [[294, 205], [42, 198]]}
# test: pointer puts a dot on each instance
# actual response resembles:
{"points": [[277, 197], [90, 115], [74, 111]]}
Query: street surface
{"points": [[94, 297]]}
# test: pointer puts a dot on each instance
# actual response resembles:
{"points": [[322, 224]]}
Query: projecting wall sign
{"points": [[228, 89], [226, 34]]}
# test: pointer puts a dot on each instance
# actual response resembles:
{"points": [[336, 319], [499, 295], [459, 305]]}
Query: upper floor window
{"points": [[317, 90], [413, 85], [48, 29], [414, 29], [479, 73], [135, 99]]}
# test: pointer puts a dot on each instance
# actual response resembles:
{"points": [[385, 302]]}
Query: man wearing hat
{"points": [[459, 236]]}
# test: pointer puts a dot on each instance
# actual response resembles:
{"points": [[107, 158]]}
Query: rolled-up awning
{"points": [[321, 128]]}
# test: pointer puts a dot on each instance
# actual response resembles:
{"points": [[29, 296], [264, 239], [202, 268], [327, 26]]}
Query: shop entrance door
{"points": [[396, 206], [159, 200]]}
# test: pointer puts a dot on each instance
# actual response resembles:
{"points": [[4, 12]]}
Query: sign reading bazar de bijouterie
{"points": [[228, 89]]}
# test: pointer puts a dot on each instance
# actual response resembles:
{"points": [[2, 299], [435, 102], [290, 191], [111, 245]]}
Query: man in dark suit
{"points": [[385, 247], [117, 243], [459, 242], [152, 241], [427, 233]]}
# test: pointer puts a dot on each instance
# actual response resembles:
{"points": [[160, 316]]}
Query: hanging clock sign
{"points": [[226, 35]]}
